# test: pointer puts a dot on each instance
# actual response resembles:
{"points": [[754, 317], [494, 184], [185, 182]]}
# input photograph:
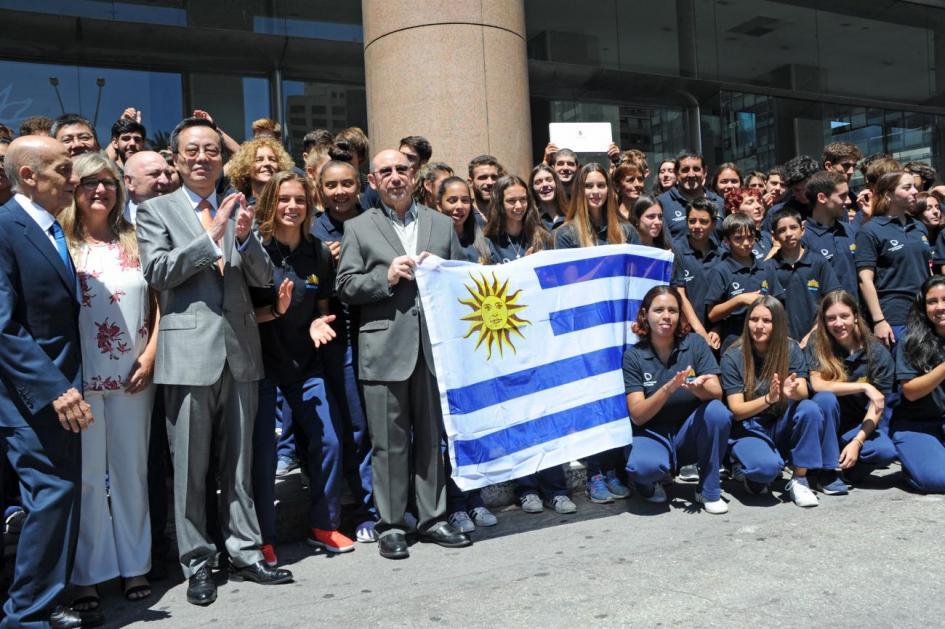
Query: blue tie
{"points": [[56, 232]]}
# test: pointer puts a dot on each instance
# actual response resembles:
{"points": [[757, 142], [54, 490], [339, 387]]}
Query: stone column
{"points": [[454, 72]]}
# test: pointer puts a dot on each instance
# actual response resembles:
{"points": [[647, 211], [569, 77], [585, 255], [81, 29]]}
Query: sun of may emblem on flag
{"points": [[494, 313]]}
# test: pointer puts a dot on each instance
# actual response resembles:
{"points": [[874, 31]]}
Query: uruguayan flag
{"points": [[528, 355]]}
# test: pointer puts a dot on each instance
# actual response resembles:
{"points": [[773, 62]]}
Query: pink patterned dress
{"points": [[113, 322]]}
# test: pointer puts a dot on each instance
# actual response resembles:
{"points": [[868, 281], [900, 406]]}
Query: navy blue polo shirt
{"points": [[287, 349], [644, 371], [347, 320], [875, 366], [691, 271], [470, 252], [550, 223], [566, 236], [837, 245], [899, 254], [928, 408], [733, 374], [729, 278], [804, 283], [505, 248], [938, 256], [674, 205]]}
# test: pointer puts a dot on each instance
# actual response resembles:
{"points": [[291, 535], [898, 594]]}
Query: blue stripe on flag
{"points": [[507, 387], [540, 430], [590, 315], [625, 264]]}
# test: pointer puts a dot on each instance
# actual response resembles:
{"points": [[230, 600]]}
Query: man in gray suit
{"points": [[201, 258], [379, 251]]}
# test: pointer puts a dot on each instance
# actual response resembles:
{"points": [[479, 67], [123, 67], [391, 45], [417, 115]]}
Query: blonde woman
{"points": [[251, 168], [117, 328]]}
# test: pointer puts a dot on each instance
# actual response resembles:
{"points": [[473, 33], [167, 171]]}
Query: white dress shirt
{"points": [[42, 217]]}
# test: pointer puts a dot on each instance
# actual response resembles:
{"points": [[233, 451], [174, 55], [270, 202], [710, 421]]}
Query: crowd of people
{"points": [[195, 322]]}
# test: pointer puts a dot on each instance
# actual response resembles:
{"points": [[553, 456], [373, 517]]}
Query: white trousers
{"points": [[115, 533]]}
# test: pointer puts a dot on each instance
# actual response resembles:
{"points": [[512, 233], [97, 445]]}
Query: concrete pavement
{"points": [[873, 558]]}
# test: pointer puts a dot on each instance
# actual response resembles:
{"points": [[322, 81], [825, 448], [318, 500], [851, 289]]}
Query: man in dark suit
{"points": [[199, 253], [41, 407], [379, 251]]}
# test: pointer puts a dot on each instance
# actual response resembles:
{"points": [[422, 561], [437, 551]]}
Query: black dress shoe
{"points": [[445, 535], [65, 618], [260, 573], [393, 546], [201, 590]]}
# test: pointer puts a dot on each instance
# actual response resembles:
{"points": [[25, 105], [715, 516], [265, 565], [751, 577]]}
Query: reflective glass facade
{"points": [[749, 81]]}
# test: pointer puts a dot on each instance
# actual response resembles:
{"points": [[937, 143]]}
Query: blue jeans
{"points": [[921, 450], [338, 364], [702, 439], [546, 483], [456, 498], [762, 447], [311, 411]]}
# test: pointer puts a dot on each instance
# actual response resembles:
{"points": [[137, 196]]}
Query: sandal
{"points": [[88, 601], [137, 588]]}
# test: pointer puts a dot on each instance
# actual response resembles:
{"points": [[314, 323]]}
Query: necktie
{"points": [[56, 231], [206, 219]]}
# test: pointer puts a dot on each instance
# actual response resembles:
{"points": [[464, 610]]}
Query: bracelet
{"points": [[860, 441], [275, 313], [876, 323]]}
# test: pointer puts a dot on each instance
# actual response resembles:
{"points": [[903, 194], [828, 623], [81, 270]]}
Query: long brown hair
{"points": [[778, 355], [579, 216], [536, 236], [883, 189], [268, 201], [87, 165], [561, 197], [826, 351]]}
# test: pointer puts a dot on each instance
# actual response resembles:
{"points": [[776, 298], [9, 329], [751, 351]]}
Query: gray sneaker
{"points": [[461, 522], [562, 504], [483, 517], [531, 503], [689, 473]]}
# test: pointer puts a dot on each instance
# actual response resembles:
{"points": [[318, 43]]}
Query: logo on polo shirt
{"points": [[852, 247], [764, 286], [311, 282], [813, 285], [648, 380], [894, 246], [736, 289], [687, 276], [825, 253]]}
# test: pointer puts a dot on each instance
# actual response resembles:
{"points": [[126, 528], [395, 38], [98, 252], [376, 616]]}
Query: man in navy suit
{"points": [[41, 407]]}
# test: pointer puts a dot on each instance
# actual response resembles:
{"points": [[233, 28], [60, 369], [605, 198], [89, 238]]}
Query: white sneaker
{"points": [[483, 517], [461, 522], [800, 492], [562, 504], [715, 507], [531, 503]]}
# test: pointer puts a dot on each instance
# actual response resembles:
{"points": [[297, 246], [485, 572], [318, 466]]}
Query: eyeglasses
{"points": [[387, 171], [84, 138], [91, 185], [194, 151]]}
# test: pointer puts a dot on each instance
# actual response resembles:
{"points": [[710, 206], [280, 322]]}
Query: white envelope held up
{"points": [[581, 137]]}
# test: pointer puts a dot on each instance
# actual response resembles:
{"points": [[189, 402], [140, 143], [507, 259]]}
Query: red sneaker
{"points": [[269, 555], [332, 541]]}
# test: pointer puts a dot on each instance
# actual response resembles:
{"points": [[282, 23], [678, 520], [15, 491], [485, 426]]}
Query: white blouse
{"points": [[113, 321]]}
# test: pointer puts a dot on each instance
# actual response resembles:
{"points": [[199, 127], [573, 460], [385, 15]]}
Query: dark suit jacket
{"points": [[40, 357], [392, 327]]}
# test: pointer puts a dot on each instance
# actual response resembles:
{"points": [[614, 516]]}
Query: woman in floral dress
{"points": [[117, 332]]}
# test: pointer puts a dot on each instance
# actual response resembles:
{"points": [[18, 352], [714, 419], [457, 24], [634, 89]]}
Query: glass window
{"points": [[233, 101], [99, 94], [567, 32], [151, 11], [347, 105]]}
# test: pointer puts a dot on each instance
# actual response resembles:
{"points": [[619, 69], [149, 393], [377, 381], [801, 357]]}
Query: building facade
{"points": [[749, 81]]}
